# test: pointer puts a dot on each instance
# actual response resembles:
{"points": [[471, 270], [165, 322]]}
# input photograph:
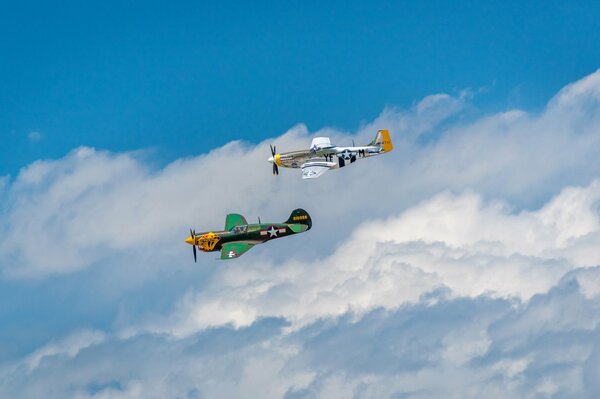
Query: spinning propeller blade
{"points": [[273, 153], [193, 235]]}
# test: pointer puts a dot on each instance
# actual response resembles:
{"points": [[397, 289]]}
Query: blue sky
{"points": [[184, 77], [464, 264]]}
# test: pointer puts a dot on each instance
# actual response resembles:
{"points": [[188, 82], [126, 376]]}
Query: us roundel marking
{"points": [[272, 232]]}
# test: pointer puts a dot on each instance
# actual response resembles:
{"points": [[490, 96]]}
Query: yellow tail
{"points": [[383, 140]]}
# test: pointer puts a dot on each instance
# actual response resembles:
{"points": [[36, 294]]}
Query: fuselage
{"points": [[295, 159], [250, 234], [322, 155]]}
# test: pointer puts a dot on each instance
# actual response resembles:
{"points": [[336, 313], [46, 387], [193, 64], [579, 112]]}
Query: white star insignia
{"points": [[272, 231]]}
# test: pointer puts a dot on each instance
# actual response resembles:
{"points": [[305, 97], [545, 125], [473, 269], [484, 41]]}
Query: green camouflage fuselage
{"points": [[239, 237]]}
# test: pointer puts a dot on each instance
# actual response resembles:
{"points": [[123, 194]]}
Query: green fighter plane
{"points": [[239, 236]]}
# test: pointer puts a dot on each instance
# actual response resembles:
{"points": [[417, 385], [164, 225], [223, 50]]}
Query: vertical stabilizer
{"points": [[300, 216], [383, 140]]}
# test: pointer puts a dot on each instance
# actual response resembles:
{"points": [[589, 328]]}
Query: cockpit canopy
{"points": [[319, 143], [239, 229]]}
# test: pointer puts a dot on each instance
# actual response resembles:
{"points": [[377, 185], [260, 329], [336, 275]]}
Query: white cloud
{"points": [[69, 346], [453, 241], [512, 156], [463, 264], [460, 348]]}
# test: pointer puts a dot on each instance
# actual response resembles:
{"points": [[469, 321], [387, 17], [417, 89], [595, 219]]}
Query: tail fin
{"points": [[383, 140], [300, 216]]}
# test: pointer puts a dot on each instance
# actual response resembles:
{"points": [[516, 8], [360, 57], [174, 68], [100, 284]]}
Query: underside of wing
{"points": [[233, 250], [315, 168]]}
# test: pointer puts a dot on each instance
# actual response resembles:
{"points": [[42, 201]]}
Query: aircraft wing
{"points": [[233, 219], [232, 250], [312, 172], [312, 169]]}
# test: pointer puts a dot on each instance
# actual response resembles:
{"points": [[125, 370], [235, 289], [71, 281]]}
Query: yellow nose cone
{"points": [[190, 240]]}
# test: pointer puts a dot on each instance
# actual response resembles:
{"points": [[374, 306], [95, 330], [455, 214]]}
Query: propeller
{"points": [[193, 235], [273, 152]]}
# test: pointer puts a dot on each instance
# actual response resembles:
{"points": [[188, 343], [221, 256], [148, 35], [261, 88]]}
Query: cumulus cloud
{"points": [[69, 346], [463, 264], [126, 202], [457, 348], [452, 242]]}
